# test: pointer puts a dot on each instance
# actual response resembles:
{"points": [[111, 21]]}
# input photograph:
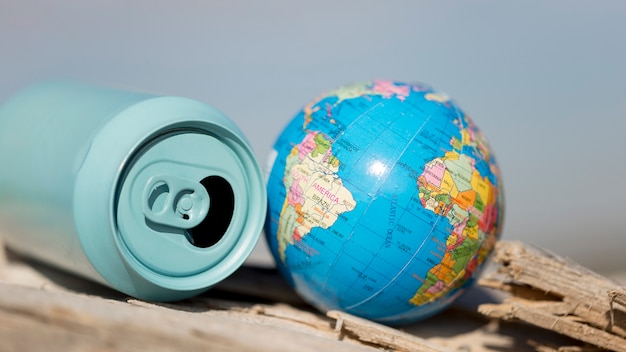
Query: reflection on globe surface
{"points": [[384, 201]]}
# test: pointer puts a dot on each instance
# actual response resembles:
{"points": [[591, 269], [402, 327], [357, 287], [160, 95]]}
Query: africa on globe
{"points": [[384, 201]]}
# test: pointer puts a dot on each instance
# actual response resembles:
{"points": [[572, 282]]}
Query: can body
{"points": [[158, 197]]}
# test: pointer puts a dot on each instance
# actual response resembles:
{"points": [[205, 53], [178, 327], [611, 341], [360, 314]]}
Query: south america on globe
{"points": [[384, 201]]}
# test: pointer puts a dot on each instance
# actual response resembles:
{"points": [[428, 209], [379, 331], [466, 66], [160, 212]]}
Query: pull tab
{"points": [[174, 201]]}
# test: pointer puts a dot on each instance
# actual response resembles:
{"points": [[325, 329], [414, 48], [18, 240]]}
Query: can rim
{"points": [[96, 196]]}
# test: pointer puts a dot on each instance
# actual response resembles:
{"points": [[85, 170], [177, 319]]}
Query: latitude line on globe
{"points": [[410, 261], [332, 266], [326, 172], [341, 133], [401, 271]]}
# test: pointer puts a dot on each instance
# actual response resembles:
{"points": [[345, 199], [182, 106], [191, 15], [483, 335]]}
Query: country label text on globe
{"points": [[384, 201]]}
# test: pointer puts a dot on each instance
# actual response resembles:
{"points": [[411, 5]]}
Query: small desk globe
{"points": [[384, 201]]}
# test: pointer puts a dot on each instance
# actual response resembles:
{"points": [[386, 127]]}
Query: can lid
{"points": [[169, 199], [178, 209]]}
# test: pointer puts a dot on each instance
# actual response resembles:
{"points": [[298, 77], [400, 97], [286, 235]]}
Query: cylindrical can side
{"points": [[75, 195], [45, 133]]}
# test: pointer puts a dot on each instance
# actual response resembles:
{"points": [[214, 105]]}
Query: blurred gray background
{"points": [[544, 80]]}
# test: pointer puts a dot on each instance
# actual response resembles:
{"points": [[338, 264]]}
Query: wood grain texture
{"points": [[34, 320], [42, 308], [379, 335], [558, 295]]}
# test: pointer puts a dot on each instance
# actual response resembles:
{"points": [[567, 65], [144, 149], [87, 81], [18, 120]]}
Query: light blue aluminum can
{"points": [[158, 197]]}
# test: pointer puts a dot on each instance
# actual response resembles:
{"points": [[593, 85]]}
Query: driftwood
{"points": [[379, 335], [253, 310], [556, 294]]}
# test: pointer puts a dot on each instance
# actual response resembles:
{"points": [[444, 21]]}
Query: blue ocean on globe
{"points": [[384, 201]]}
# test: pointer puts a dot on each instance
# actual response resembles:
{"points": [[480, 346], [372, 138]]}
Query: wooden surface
{"points": [[253, 310], [559, 295]]}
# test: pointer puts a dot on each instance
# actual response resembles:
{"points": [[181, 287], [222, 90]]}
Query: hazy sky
{"points": [[544, 80]]}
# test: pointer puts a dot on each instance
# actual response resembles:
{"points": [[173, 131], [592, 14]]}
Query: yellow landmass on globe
{"points": [[439, 278], [448, 186], [483, 187], [438, 97], [315, 193]]}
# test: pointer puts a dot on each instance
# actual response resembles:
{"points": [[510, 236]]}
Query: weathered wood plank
{"points": [[253, 310], [559, 295], [380, 335], [32, 319], [564, 324]]}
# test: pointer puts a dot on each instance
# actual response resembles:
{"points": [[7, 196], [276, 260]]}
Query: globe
{"points": [[384, 201]]}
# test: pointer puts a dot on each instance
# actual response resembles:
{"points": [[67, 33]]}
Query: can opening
{"points": [[220, 214]]}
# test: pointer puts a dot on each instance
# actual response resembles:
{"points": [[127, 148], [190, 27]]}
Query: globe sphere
{"points": [[385, 200]]}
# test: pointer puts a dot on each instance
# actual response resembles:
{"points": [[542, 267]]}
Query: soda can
{"points": [[158, 197]]}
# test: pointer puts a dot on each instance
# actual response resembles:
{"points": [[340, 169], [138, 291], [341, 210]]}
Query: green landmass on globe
{"points": [[384, 201]]}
